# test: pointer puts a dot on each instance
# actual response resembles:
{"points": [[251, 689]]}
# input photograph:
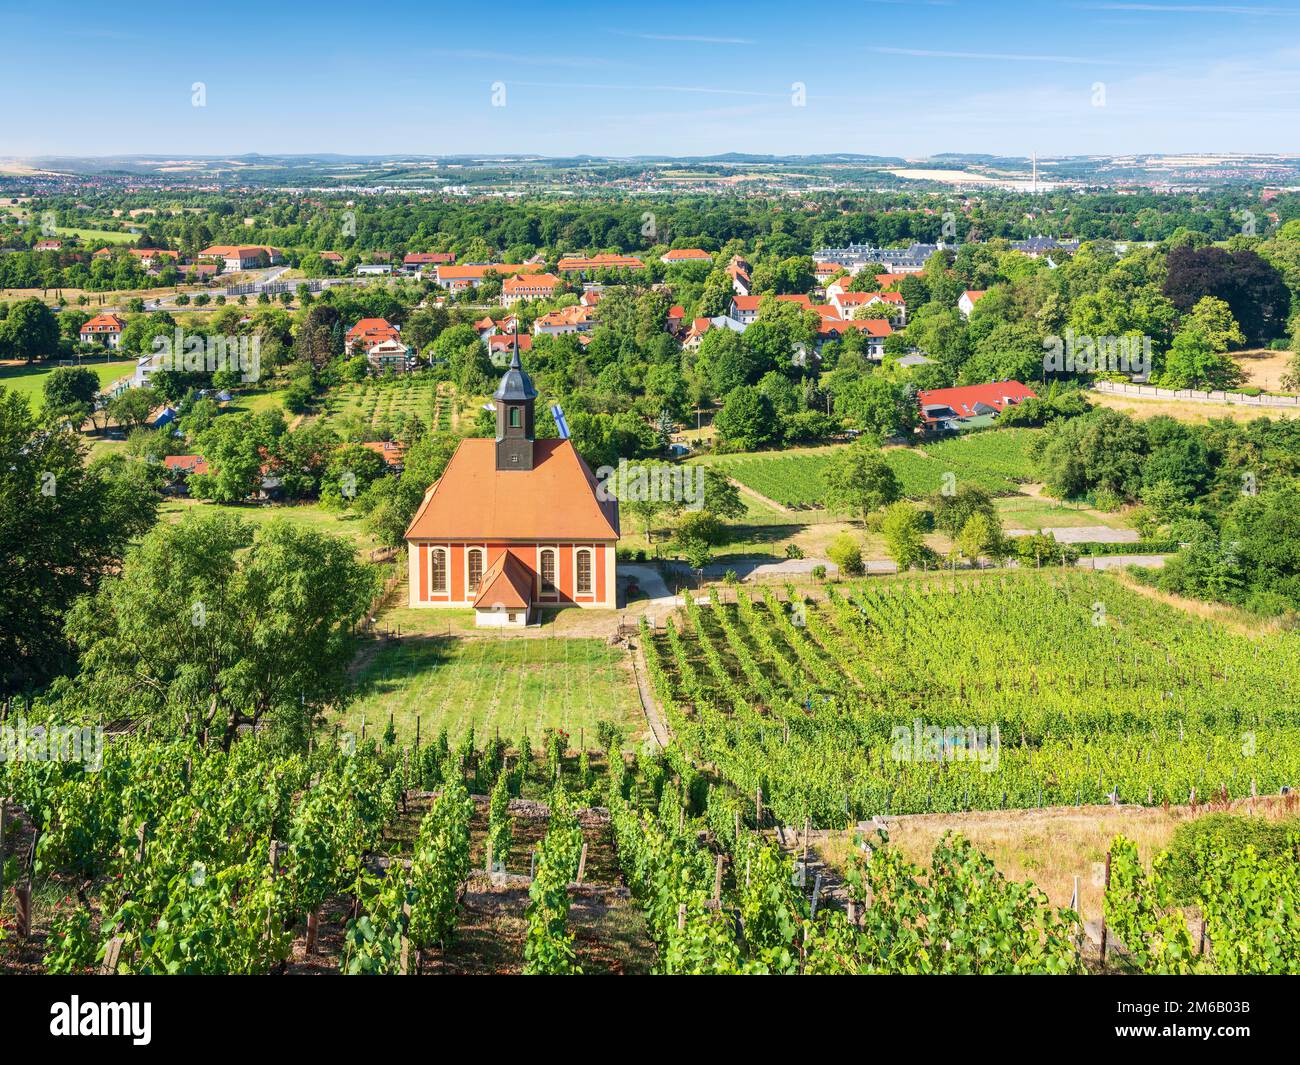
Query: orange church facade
{"points": [[513, 524]]}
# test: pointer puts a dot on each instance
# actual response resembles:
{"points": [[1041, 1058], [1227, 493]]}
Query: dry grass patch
{"points": [[1263, 368], [1049, 846], [1188, 411]]}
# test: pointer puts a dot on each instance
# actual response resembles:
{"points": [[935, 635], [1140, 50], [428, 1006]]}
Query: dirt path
{"points": [[658, 726], [745, 490]]}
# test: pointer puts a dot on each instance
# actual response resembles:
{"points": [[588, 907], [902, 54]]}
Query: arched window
{"points": [[514, 417], [438, 569], [548, 571], [584, 572], [475, 568]]}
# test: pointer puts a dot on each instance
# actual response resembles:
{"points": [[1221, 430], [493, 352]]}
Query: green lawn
{"points": [[1026, 512], [508, 682], [793, 477], [29, 381], [256, 400], [99, 236], [347, 524]]}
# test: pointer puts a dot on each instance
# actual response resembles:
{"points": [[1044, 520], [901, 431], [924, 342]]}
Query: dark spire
{"points": [[515, 384], [514, 402]]}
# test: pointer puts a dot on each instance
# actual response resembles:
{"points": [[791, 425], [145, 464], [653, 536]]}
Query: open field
{"points": [[1188, 412], [97, 237], [348, 524], [29, 381], [996, 460], [256, 400], [1043, 512], [497, 682], [1263, 368], [1052, 846]]}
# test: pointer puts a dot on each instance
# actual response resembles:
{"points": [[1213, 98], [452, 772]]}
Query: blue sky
{"points": [[890, 78]]}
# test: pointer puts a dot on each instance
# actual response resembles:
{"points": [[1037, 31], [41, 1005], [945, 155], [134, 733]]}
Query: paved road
{"points": [[1104, 562]]}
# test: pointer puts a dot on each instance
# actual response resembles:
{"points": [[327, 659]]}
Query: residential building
{"points": [[685, 255], [528, 287], [458, 278], [583, 266], [967, 300], [390, 356], [235, 257], [418, 262], [848, 303], [874, 329], [744, 309], [1040, 245], [909, 260], [368, 332], [946, 409], [105, 329], [577, 319]]}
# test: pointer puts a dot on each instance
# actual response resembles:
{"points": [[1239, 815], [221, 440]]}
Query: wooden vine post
{"points": [[1103, 912]]}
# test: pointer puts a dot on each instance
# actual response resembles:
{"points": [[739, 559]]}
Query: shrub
{"points": [[1224, 832], [847, 555]]}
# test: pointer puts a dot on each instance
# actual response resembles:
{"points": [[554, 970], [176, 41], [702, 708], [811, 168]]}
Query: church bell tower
{"points": [[515, 397]]}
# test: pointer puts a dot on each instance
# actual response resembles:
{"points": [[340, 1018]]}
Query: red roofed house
{"points": [[331, 257], [506, 342], [528, 287], [694, 335], [738, 271], [577, 319], [243, 256], [875, 330], [179, 468], [370, 331], [416, 262], [150, 257], [947, 408], [48, 245], [103, 329], [391, 451], [686, 255], [847, 303], [744, 309], [582, 265], [966, 302], [514, 523], [459, 278]]}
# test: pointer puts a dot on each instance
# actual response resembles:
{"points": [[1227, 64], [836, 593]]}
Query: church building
{"points": [[514, 523]]}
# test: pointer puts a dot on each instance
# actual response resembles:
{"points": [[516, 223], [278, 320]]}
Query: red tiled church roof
{"points": [[507, 585], [555, 500]]}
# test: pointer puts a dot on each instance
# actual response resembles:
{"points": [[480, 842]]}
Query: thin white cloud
{"points": [[1000, 57]]}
